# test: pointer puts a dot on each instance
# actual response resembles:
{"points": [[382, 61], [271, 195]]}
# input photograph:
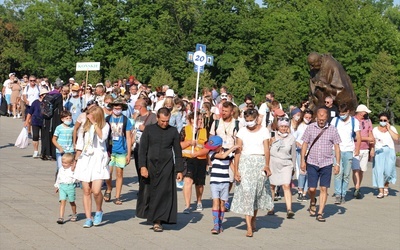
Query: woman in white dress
{"points": [[91, 166], [251, 169], [283, 161], [384, 164]]}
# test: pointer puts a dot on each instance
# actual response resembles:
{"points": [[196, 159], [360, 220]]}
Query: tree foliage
{"points": [[264, 47]]}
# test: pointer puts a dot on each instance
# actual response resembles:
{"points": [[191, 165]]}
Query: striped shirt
{"points": [[220, 168], [64, 137], [321, 154]]}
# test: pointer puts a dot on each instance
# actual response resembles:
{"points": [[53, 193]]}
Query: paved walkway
{"points": [[29, 210]]}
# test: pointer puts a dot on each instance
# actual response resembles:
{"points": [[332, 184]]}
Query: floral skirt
{"points": [[253, 191]]}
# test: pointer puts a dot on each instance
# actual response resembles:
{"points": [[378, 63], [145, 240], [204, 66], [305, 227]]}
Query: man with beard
{"points": [[160, 159]]}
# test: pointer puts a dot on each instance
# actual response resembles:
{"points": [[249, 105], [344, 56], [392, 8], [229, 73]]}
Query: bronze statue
{"points": [[328, 78]]}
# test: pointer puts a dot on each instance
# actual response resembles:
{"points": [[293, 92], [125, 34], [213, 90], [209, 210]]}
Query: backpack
{"points": [[353, 134], [109, 139], [47, 106], [236, 128]]}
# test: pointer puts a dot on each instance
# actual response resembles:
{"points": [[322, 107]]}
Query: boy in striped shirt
{"points": [[219, 179]]}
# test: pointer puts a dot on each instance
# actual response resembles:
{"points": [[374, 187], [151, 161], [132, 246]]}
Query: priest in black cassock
{"points": [[159, 169]]}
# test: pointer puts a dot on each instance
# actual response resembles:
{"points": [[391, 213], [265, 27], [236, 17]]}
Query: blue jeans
{"points": [[342, 179], [302, 179]]}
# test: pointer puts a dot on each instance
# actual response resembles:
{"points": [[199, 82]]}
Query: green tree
{"points": [[239, 83], [189, 86], [287, 90], [122, 69], [383, 84], [162, 77]]}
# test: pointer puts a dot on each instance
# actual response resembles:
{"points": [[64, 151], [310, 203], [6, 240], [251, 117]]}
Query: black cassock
{"points": [[157, 198]]}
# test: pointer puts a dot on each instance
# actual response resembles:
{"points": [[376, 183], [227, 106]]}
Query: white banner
{"points": [[87, 66]]}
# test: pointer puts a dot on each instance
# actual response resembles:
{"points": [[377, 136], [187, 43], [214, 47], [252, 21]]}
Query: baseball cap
{"points": [[279, 112], [213, 142], [362, 108], [11, 74], [71, 79]]}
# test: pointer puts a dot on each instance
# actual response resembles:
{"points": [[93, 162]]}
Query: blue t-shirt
{"points": [[117, 136], [36, 116], [74, 105], [64, 137]]}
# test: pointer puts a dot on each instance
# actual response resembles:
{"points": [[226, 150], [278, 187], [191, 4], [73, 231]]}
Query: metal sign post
{"points": [[199, 58]]}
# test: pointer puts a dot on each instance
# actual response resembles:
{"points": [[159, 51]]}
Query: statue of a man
{"points": [[328, 78]]}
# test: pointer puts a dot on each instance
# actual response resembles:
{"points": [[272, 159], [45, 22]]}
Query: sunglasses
{"points": [[327, 102], [32, 80], [383, 120], [283, 119]]}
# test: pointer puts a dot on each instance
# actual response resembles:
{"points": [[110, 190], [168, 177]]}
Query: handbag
{"points": [[315, 140], [22, 139]]}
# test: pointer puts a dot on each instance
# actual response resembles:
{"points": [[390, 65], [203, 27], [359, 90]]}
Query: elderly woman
{"points": [[283, 161], [251, 169], [384, 165]]}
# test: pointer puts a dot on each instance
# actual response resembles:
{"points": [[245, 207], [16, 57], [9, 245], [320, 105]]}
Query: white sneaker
{"points": [[199, 207], [14, 117], [18, 116], [35, 154]]}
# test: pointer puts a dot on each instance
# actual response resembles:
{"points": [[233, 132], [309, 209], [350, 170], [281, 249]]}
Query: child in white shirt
{"points": [[65, 186]]}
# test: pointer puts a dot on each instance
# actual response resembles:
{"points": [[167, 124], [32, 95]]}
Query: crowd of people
{"points": [[251, 150]]}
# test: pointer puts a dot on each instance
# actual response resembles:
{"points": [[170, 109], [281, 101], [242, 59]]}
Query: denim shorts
{"points": [[220, 191], [324, 175]]}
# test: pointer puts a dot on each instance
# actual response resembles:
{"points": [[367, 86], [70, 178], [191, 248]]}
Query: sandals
{"points": [[380, 196], [107, 196], [60, 221], [385, 191], [313, 207], [118, 201], [289, 214], [74, 218], [320, 218], [215, 230], [249, 234], [158, 228], [271, 212]]}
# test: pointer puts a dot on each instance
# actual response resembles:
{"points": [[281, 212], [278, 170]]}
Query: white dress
{"points": [[93, 161]]}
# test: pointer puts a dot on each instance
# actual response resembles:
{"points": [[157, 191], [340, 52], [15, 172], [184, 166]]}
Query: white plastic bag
{"points": [[22, 140]]}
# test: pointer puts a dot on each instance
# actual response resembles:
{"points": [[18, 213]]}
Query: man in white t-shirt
{"points": [[6, 91], [349, 130], [31, 93], [265, 111], [227, 127]]}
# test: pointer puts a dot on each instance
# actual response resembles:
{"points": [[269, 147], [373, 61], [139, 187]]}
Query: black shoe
{"points": [[300, 197]]}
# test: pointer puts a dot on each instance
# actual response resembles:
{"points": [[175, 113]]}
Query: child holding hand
{"points": [[219, 179], [65, 186]]}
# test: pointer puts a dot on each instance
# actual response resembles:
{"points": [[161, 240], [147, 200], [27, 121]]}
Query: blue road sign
{"points": [[190, 56], [201, 47], [195, 69]]}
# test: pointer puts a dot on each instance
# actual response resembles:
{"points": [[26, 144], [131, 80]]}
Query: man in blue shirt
{"points": [[120, 141]]}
